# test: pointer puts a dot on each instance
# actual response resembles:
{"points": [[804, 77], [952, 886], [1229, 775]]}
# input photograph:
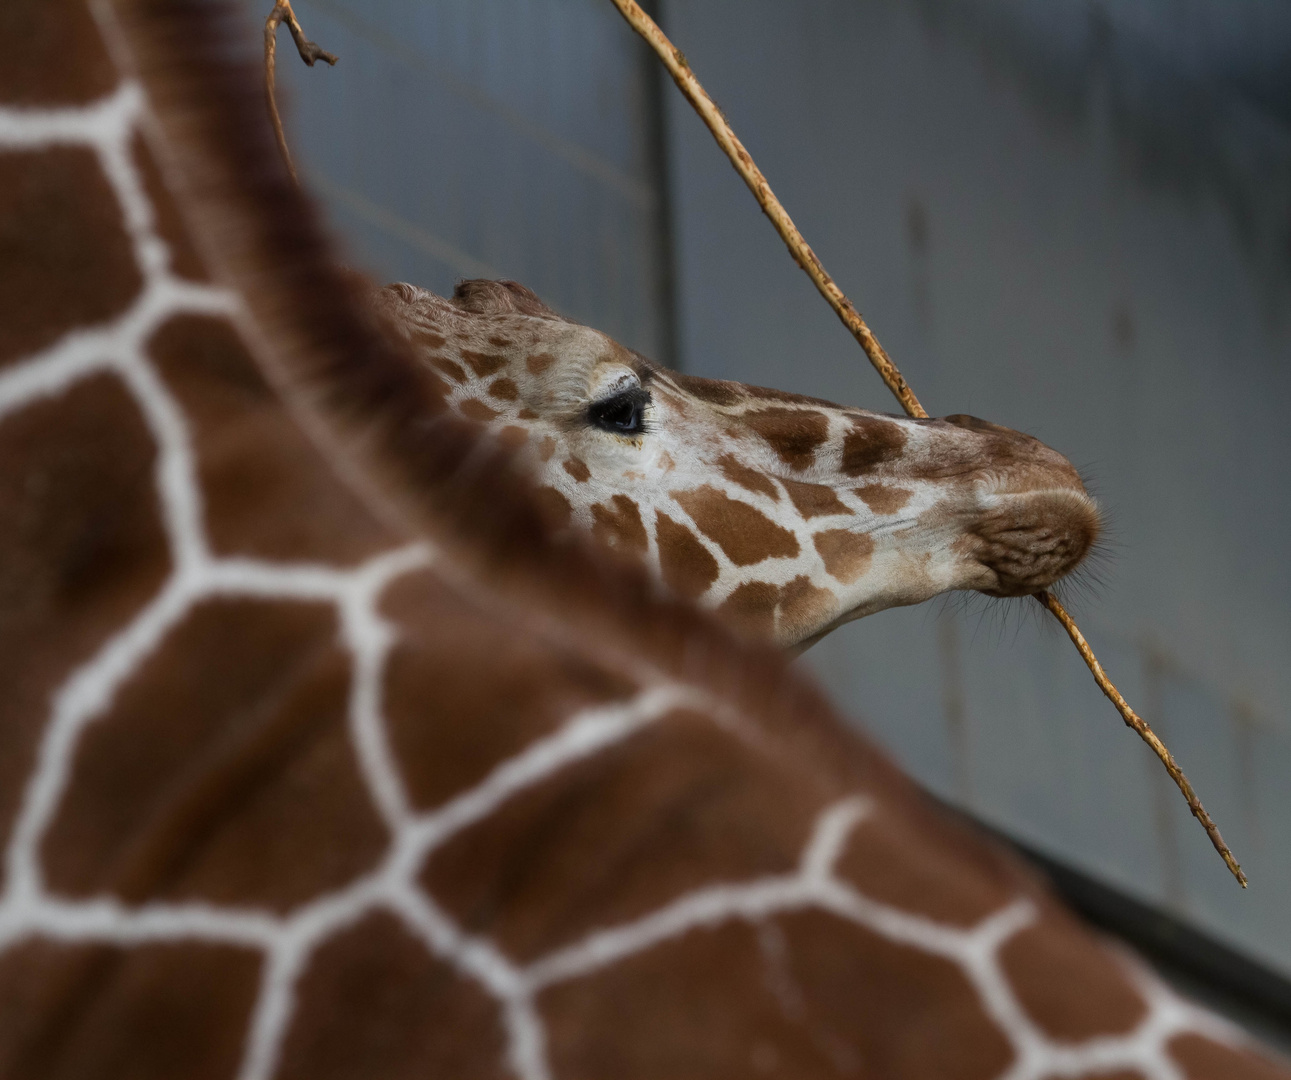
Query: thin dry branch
{"points": [[708, 111], [309, 52]]}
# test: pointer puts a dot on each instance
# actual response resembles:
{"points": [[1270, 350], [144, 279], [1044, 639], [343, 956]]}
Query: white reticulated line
{"points": [[288, 942]]}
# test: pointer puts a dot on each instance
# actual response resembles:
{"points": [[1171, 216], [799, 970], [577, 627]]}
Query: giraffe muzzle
{"points": [[1032, 539]]}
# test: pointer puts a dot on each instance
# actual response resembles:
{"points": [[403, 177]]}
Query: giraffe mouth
{"points": [[1029, 541]]}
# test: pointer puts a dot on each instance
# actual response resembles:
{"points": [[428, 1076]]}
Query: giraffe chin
{"points": [[1030, 540]]}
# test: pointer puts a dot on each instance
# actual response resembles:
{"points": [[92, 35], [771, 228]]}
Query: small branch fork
{"points": [[677, 66], [309, 52]]}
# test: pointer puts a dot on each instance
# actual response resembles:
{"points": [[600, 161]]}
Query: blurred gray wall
{"points": [[490, 138], [1073, 218]]}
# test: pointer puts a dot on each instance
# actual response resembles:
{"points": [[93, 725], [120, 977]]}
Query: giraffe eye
{"points": [[622, 414]]}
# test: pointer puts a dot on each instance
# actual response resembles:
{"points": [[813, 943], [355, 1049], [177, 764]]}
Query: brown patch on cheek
{"points": [[453, 370], [804, 607], [751, 607], [546, 447], [883, 499], [666, 463], [67, 259], [871, 443], [476, 410], [428, 338], [620, 526], [483, 364], [554, 507], [500, 342], [814, 500], [746, 535], [577, 469], [513, 436], [688, 569], [537, 363], [504, 390], [527, 414], [846, 554], [750, 479], [794, 434]]}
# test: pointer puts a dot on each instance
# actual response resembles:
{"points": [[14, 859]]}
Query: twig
{"points": [[1132, 719], [682, 75], [309, 52]]}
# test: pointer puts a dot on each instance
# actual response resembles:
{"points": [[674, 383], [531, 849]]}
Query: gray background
{"points": [[1073, 218]]}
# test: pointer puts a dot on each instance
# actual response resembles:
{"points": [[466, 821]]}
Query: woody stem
{"points": [[684, 77]]}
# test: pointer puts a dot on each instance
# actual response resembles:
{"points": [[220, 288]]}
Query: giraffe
{"points": [[322, 755], [788, 515]]}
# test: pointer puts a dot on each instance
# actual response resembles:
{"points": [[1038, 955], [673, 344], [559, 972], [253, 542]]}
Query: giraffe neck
{"points": [[316, 768]]}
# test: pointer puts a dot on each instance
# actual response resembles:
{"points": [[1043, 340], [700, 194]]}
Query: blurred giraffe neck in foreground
{"points": [[320, 757], [789, 515]]}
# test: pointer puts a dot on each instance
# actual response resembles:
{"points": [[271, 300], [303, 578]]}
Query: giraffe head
{"points": [[788, 514]]}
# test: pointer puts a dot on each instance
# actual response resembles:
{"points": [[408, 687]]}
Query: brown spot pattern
{"points": [[184, 260], [687, 566], [429, 339], [750, 479], [814, 500], [745, 534], [504, 390], [255, 799], [151, 1012], [677, 806], [910, 1015], [619, 526], [501, 688], [794, 434], [474, 409], [1071, 989], [839, 1002], [803, 606], [537, 363], [527, 414], [375, 1003], [1202, 1059], [61, 59], [578, 469], [871, 443], [714, 391], [484, 364], [846, 554], [513, 436], [450, 368], [546, 448], [67, 259], [82, 549], [883, 498], [751, 608], [911, 857], [265, 493]]}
